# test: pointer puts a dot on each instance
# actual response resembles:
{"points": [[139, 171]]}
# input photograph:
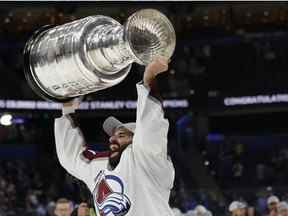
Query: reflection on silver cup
{"points": [[94, 53]]}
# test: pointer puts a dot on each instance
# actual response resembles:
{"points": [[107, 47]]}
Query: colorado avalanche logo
{"points": [[109, 196]]}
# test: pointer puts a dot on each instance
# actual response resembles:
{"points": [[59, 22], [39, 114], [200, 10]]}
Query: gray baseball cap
{"points": [[283, 205], [237, 205], [111, 123], [272, 199]]}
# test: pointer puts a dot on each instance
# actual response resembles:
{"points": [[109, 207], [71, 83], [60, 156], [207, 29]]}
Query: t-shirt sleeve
{"points": [[74, 155], [150, 137], [151, 126]]}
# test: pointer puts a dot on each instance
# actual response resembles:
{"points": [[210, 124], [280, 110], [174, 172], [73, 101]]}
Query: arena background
{"points": [[226, 99]]}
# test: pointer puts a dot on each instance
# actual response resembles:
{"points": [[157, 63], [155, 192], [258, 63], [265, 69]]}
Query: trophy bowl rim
{"points": [[128, 38]]}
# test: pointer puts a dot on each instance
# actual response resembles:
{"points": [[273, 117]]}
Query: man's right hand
{"points": [[157, 66], [71, 106], [74, 102]]}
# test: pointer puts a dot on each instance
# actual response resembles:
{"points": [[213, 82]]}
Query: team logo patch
{"points": [[109, 196]]}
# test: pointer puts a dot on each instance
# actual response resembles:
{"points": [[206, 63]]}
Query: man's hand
{"points": [[72, 105], [75, 103], [157, 66]]}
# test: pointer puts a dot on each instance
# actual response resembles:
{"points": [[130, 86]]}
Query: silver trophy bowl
{"points": [[94, 53]]}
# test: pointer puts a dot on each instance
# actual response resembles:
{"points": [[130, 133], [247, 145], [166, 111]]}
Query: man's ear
{"points": [[132, 135]]}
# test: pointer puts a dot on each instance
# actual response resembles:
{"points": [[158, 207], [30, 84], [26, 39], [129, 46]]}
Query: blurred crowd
{"points": [[273, 207], [29, 189], [33, 190]]}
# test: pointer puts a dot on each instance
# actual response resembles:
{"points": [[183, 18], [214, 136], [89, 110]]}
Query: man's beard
{"points": [[113, 161]]}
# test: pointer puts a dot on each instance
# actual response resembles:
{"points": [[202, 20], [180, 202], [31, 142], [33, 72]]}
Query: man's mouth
{"points": [[116, 152], [114, 146], [115, 149]]}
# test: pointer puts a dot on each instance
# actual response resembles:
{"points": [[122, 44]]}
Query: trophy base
{"points": [[28, 73]]}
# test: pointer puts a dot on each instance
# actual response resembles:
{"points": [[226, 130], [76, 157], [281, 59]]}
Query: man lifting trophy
{"points": [[135, 176], [94, 53]]}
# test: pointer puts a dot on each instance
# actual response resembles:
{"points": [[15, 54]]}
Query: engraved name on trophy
{"points": [[94, 53]]}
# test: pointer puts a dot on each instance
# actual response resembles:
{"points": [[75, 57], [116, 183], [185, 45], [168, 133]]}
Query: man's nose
{"points": [[112, 139]]}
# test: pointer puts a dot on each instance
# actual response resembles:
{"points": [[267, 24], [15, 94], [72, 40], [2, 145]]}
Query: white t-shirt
{"points": [[140, 184]]}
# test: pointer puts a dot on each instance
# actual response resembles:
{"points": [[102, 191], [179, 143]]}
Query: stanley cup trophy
{"points": [[94, 53]]}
